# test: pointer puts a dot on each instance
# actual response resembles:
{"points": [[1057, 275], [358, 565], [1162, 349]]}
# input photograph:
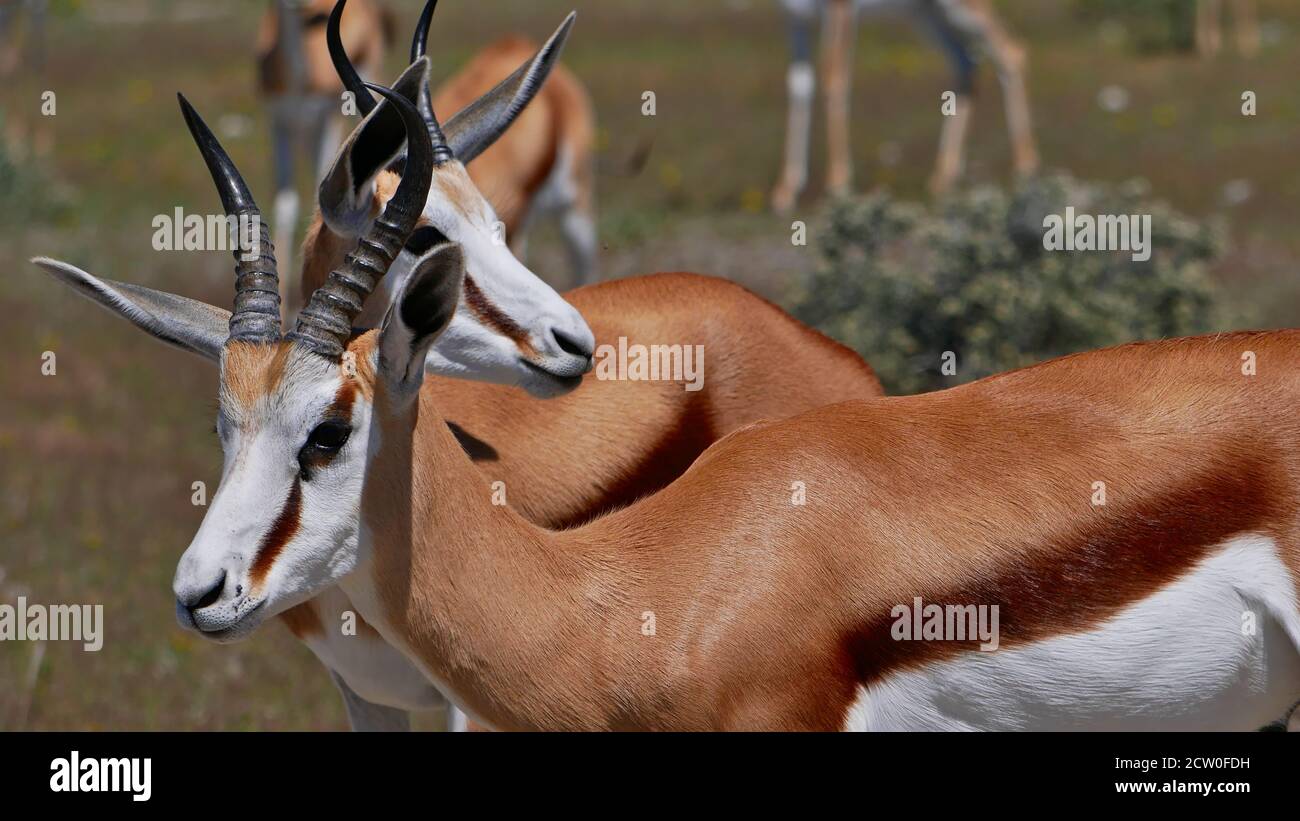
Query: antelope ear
{"points": [[346, 191], [188, 324], [479, 125], [419, 312]]}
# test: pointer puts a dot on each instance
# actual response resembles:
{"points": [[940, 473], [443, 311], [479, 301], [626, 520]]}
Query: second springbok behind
{"points": [[515, 329]]}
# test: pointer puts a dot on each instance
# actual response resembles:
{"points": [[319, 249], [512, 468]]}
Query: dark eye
{"points": [[329, 436], [322, 445]]}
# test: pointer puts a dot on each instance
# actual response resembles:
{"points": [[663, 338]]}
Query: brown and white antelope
{"points": [[1209, 26], [963, 29], [600, 447], [727, 601], [1171, 606], [513, 329], [296, 78]]}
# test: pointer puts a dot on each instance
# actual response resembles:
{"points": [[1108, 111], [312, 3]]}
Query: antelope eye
{"points": [[329, 436]]}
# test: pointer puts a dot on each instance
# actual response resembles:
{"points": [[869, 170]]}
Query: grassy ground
{"points": [[97, 461]]}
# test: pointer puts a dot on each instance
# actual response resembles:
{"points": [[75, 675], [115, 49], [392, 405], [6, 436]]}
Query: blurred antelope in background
{"points": [[16, 37], [963, 29], [302, 91], [1209, 26]]}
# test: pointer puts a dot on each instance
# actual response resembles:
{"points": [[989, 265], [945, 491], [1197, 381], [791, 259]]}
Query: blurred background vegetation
{"points": [[1149, 25], [97, 462], [903, 284]]}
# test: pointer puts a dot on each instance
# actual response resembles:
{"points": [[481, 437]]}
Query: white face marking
{"points": [[1179, 660], [558, 343], [299, 515]]}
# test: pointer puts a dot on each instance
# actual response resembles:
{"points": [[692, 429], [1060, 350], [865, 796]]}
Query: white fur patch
{"points": [[1182, 659], [375, 670]]}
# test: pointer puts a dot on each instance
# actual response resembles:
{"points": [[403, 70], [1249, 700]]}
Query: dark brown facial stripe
{"points": [[283, 529], [493, 317], [1115, 557]]}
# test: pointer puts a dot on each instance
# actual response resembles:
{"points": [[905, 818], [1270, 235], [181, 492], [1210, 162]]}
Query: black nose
{"points": [[570, 345], [200, 601]]}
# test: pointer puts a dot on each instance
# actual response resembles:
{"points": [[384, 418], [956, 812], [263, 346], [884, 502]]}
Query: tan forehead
{"points": [[450, 183], [455, 187], [251, 372]]}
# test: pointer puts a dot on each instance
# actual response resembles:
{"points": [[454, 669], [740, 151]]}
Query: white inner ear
{"points": [[398, 363]]}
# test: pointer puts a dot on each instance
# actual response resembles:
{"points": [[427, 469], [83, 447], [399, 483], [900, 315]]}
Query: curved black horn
{"points": [[419, 45], [347, 73], [256, 317], [325, 324], [420, 42]]}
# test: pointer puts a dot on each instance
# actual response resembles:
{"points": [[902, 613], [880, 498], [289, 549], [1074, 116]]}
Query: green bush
{"points": [[902, 284], [1151, 25]]}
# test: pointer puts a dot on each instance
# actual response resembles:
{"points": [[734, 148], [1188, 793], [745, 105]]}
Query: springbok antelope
{"points": [[600, 447], [514, 328], [297, 79], [549, 350], [963, 29], [1209, 26], [1174, 605], [525, 103], [726, 601]]}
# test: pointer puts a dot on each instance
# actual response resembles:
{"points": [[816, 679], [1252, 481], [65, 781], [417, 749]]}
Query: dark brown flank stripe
{"points": [[493, 316], [1111, 561], [284, 528]]}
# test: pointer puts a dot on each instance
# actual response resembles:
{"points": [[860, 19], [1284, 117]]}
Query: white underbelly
{"points": [[1215, 650]]}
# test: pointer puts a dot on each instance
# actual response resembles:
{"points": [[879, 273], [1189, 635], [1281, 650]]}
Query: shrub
{"points": [[902, 284]]}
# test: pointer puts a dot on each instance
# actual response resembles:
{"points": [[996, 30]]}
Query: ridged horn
{"points": [[365, 102], [325, 324], [419, 46], [441, 148], [256, 315]]}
